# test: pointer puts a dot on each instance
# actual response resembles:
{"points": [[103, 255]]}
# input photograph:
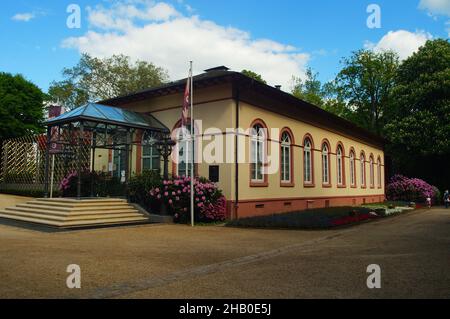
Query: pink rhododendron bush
{"points": [[401, 188], [175, 193]]}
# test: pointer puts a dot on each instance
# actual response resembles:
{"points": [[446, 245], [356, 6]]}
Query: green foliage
{"points": [[310, 89], [419, 127], [254, 76], [365, 84], [21, 107], [94, 79], [421, 116], [139, 187]]}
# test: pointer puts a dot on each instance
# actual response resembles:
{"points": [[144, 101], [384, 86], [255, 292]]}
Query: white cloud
{"points": [[403, 42], [441, 7], [158, 33], [23, 17]]}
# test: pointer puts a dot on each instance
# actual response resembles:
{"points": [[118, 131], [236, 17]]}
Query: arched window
{"points": [[151, 159], [362, 160], [184, 167], [325, 164], [340, 166], [286, 169], [371, 172], [379, 172], [352, 169], [308, 161], [258, 138]]}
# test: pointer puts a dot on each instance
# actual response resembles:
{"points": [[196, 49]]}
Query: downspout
{"points": [[236, 155]]}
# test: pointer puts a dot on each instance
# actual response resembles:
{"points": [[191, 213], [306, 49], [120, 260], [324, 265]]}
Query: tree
{"points": [[254, 76], [94, 79], [419, 131], [21, 107], [365, 84], [310, 89]]}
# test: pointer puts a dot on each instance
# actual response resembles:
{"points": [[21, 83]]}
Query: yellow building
{"points": [[277, 153]]}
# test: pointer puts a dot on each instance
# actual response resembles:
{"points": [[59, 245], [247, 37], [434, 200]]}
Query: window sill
{"points": [[258, 184], [287, 184], [342, 186], [327, 185], [309, 185]]}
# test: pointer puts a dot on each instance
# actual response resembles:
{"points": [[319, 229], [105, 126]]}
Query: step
{"points": [[32, 215], [78, 201], [75, 209], [98, 222], [127, 210], [111, 221], [70, 218], [75, 205], [32, 220]]}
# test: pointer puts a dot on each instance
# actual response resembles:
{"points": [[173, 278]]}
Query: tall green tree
{"points": [[310, 89], [94, 79], [419, 131], [254, 76], [365, 84], [323, 95], [21, 107]]}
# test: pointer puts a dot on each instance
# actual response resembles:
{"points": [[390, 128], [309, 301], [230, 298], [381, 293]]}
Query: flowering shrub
{"points": [[410, 189], [210, 204]]}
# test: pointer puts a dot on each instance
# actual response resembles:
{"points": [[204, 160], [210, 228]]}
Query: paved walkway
{"points": [[11, 200], [172, 261]]}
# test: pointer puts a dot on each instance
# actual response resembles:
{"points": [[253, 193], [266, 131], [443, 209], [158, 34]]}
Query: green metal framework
{"points": [[96, 126]]}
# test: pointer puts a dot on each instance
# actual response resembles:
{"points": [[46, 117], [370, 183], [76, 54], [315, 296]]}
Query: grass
{"points": [[388, 204], [319, 218]]}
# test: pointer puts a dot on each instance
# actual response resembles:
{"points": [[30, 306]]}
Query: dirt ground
{"points": [[175, 261]]}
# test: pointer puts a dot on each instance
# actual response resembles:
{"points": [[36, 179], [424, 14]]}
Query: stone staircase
{"points": [[72, 213]]}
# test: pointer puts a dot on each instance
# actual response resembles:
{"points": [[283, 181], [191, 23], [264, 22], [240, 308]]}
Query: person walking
{"points": [[446, 198]]}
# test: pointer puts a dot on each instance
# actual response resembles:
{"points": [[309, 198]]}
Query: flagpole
{"points": [[193, 144]]}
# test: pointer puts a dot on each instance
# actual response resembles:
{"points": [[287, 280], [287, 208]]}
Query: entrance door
{"points": [[119, 164]]}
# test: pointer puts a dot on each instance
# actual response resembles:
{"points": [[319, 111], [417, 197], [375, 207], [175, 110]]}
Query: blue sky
{"points": [[278, 39]]}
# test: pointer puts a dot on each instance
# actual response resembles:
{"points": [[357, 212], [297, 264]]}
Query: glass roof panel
{"points": [[108, 114]]}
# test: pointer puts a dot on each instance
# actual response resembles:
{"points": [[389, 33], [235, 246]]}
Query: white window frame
{"points": [[325, 164], [352, 169], [257, 153], [153, 153], [184, 145], [307, 161], [371, 172], [379, 173], [286, 158], [340, 168], [362, 160]]}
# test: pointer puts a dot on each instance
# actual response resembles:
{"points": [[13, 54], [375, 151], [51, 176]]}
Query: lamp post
{"points": [[164, 146]]}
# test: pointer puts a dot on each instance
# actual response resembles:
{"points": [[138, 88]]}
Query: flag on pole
{"points": [[187, 118], [186, 102]]}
